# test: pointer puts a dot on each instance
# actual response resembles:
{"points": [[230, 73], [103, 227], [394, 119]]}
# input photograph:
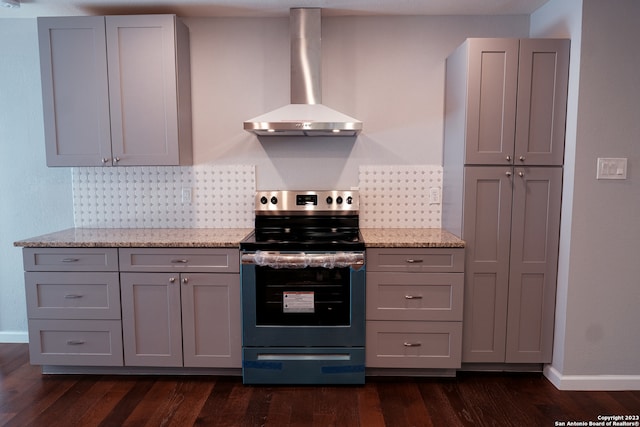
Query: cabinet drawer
{"points": [[409, 296], [70, 259], [179, 259], [413, 344], [73, 295], [416, 260], [75, 342]]}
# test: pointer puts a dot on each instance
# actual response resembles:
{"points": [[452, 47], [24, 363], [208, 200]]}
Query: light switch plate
{"points": [[611, 168]]}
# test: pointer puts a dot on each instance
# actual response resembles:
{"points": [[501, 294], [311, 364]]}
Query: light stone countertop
{"points": [[223, 238], [410, 238], [139, 237]]}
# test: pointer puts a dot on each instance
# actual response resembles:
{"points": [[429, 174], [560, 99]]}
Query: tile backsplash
{"points": [[158, 196], [400, 196], [222, 196]]}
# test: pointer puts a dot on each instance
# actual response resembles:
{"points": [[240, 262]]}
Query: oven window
{"points": [[305, 297]]}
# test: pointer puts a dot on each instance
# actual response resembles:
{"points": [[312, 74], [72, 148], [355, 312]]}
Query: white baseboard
{"points": [[591, 382], [14, 337]]}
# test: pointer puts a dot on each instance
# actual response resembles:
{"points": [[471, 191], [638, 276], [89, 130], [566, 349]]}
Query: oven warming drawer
{"points": [[295, 365]]}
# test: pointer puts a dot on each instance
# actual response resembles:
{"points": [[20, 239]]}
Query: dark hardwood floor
{"points": [[28, 398]]}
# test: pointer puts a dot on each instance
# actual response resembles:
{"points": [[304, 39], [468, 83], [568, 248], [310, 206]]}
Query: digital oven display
{"points": [[306, 199]]}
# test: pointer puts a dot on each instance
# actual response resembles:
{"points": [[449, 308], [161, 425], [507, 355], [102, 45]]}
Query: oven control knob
{"points": [[329, 200], [339, 200], [263, 200], [349, 200], [274, 200]]}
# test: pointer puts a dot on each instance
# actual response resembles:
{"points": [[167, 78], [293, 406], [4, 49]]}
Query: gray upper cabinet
{"points": [[507, 100], [116, 90]]}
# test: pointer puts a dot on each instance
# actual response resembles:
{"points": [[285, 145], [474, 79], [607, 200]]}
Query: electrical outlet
{"points": [[186, 195], [611, 168], [434, 196]]}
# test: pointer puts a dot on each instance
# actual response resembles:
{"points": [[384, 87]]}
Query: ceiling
{"points": [[269, 8]]}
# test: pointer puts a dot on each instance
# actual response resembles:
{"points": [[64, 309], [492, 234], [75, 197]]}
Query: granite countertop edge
{"points": [[223, 238], [139, 237], [410, 238]]}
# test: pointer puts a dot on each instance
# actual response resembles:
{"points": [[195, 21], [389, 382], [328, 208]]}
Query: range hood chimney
{"points": [[306, 115]]}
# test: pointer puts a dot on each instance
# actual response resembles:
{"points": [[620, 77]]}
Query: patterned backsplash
{"points": [[400, 196], [157, 197], [222, 196]]}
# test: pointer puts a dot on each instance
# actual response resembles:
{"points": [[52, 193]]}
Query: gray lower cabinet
{"points": [[73, 306], [116, 90], [414, 307], [174, 314], [512, 234], [154, 307]]}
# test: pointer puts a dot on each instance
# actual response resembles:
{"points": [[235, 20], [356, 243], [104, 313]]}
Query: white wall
{"points": [[34, 199], [597, 342], [386, 71]]}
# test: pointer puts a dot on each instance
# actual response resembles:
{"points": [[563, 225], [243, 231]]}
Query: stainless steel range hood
{"points": [[306, 115]]}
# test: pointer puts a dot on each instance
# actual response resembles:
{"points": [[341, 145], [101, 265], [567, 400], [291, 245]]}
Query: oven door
{"points": [[306, 299]]}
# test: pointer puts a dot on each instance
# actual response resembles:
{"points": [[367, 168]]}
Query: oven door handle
{"points": [[303, 260]]}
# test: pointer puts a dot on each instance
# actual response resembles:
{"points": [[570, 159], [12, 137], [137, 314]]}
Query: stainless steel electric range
{"points": [[303, 290]]}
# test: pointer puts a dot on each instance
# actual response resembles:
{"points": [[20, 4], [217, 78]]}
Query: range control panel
{"points": [[312, 202]]}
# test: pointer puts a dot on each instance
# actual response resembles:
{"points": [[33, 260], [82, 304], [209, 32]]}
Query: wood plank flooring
{"points": [[28, 398]]}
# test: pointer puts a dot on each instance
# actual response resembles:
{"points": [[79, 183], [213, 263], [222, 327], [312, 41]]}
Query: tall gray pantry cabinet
{"points": [[116, 90], [505, 116]]}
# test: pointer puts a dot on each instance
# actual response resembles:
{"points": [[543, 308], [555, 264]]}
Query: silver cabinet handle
{"points": [[521, 174], [412, 297], [105, 160], [116, 159], [179, 261], [414, 261], [73, 296], [508, 173], [75, 342], [412, 344], [185, 280], [172, 279], [508, 158], [70, 259], [522, 158]]}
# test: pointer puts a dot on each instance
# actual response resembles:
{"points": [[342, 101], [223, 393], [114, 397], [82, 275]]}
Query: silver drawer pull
{"points": [[179, 261], [73, 296], [414, 261], [75, 342], [413, 297], [412, 344], [70, 259]]}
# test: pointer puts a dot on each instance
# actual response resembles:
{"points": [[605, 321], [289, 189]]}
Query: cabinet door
{"points": [[491, 101], [487, 223], [535, 234], [151, 324], [543, 75], [73, 64], [143, 92], [211, 320]]}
